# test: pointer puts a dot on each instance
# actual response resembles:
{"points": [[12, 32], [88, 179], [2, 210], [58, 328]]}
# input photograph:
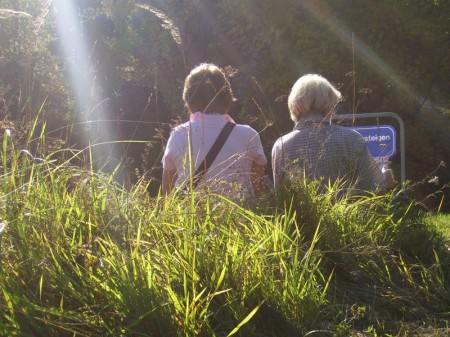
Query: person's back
{"points": [[230, 173], [318, 150], [238, 169], [327, 153]]}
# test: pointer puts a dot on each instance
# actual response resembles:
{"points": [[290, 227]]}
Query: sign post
{"points": [[377, 137]]}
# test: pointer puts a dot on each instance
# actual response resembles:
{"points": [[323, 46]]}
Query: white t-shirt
{"points": [[230, 172]]}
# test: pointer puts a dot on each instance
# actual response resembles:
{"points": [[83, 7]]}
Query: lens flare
{"points": [[92, 108], [323, 15]]}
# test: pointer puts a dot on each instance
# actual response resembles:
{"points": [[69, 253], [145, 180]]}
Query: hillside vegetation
{"points": [[82, 256], [88, 248]]}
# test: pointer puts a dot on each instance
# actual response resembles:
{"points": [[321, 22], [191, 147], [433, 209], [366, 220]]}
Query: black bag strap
{"points": [[213, 152]]}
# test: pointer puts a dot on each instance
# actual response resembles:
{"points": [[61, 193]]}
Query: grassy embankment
{"points": [[81, 256]]}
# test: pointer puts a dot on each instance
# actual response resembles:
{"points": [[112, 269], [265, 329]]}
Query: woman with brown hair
{"points": [[237, 170]]}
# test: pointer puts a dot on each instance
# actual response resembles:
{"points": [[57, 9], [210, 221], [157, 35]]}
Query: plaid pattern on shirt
{"points": [[325, 152]]}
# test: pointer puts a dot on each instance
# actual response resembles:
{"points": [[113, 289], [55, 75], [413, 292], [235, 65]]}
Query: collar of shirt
{"points": [[197, 116], [312, 119]]}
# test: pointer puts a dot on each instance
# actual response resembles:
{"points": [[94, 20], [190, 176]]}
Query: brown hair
{"points": [[206, 89]]}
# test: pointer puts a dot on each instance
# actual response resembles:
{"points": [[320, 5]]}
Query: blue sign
{"points": [[380, 139]]}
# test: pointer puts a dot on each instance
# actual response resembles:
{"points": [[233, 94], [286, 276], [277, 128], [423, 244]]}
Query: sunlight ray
{"points": [[324, 16], [92, 108]]}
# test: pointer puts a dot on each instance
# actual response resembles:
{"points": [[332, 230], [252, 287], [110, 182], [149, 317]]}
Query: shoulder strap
{"points": [[213, 152]]}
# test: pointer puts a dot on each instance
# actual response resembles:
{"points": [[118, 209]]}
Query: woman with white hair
{"points": [[319, 150]]}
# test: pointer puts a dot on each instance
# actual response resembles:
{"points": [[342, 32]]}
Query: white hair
{"points": [[312, 94]]}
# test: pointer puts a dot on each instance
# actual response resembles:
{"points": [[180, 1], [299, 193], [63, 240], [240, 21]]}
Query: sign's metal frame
{"points": [[402, 133]]}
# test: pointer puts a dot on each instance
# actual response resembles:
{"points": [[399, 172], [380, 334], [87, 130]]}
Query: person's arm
{"points": [[258, 179], [370, 176], [169, 174], [276, 165], [259, 161], [389, 178], [168, 180]]}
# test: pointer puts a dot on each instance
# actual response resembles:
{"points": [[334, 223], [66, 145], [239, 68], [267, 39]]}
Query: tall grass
{"points": [[82, 256]]}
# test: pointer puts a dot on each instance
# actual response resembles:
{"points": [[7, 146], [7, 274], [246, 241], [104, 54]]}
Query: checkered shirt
{"points": [[328, 153]]}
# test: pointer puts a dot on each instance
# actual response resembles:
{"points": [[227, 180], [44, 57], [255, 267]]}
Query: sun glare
{"points": [[322, 15], [92, 109]]}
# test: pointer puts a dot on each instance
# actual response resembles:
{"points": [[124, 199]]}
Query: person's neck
{"points": [[315, 118], [200, 116]]}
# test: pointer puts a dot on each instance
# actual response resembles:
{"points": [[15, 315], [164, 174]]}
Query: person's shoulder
{"points": [[349, 136], [181, 128], [287, 138], [179, 133], [347, 131], [245, 129]]}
